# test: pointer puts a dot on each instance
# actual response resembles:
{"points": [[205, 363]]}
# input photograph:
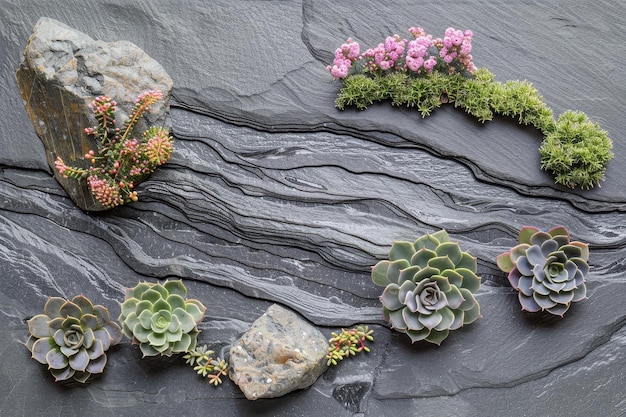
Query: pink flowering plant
{"points": [[426, 72], [419, 56], [122, 159]]}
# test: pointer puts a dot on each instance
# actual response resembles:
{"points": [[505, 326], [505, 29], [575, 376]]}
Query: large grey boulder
{"points": [[280, 353], [62, 71]]}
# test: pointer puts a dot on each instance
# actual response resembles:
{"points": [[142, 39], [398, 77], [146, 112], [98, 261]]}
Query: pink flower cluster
{"points": [[103, 106], [386, 55], [106, 192], [421, 55], [158, 147], [344, 57]]}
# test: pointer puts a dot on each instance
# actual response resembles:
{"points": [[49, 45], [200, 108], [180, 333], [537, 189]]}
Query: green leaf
{"points": [[447, 319], [379, 273], [161, 305], [558, 231], [401, 250], [451, 250], [186, 320], [442, 282], [397, 320], [148, 350], [175, 301], [127, 307], [441, 236], [411, 320], [431, 320], [441, 263], [454, 278], [55, 359], [467, 261], [62, 374], [389, 297], [417, 335], [157, 339], [427, 241], [90, 321], [526, 233], [176, 287], [454, 296], [504, 262], [470, 280], [52, 308], [408, 274], [83, 303], [96, 350], [196, 309], [437, 337], [422, 256], [96, 366], [425, 273], [581, 251], [140, 333], [139, 289], [38, 326], [41, 347], [70, 309], [471, 315], [151, 295], [184, 344]]}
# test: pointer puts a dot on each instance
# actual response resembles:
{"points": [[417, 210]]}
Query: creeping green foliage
{"points": [[348, 343], [547, 269], [72, 337], [429, 286], [576, 151], [160, 319]]}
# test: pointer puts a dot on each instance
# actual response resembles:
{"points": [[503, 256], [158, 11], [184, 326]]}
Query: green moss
{"points": [[575, 150]]}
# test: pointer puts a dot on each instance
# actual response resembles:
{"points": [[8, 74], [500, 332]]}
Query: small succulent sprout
{"points": [[429, 287], [72, 338], [160, 319], [547, 269]]}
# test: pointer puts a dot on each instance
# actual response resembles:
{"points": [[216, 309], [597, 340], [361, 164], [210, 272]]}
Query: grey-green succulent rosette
{"points": [[72, 337], [547, 268], [429, 287], [160, 319]]}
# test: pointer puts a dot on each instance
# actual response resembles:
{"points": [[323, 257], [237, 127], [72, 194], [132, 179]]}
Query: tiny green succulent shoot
{"points": [[547, 269], [201, 358], [348, 343], [72, 338], [160, 319], [429, 287]]}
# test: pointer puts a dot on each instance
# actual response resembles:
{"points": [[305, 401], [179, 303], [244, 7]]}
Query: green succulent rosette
{"points": [[72, 337], [160, 319], [547, 269], [429, 287]]}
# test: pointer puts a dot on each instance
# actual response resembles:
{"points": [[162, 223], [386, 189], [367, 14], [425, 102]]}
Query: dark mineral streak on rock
{"points": [[280, 353], [62, 71]]}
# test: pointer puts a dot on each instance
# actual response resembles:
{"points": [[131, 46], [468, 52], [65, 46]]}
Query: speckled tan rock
{"points": [[280, 353]]}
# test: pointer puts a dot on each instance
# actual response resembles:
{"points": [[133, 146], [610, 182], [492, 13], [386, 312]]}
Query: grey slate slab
{"points": [[275, 196]]}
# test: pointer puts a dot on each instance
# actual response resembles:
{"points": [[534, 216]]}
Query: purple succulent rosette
{"points": [[72, 338], [429, 286], [547, 268]]}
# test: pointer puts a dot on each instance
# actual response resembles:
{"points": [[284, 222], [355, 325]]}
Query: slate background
{"points": [[273, 195]]}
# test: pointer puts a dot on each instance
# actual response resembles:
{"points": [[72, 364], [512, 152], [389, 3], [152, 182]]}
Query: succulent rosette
{"points": [[72, 337], [547, 268], [429, 287], [160, 319]]}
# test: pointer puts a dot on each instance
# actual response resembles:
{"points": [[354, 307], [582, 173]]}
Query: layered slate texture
{"points": [[273, 196]]}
